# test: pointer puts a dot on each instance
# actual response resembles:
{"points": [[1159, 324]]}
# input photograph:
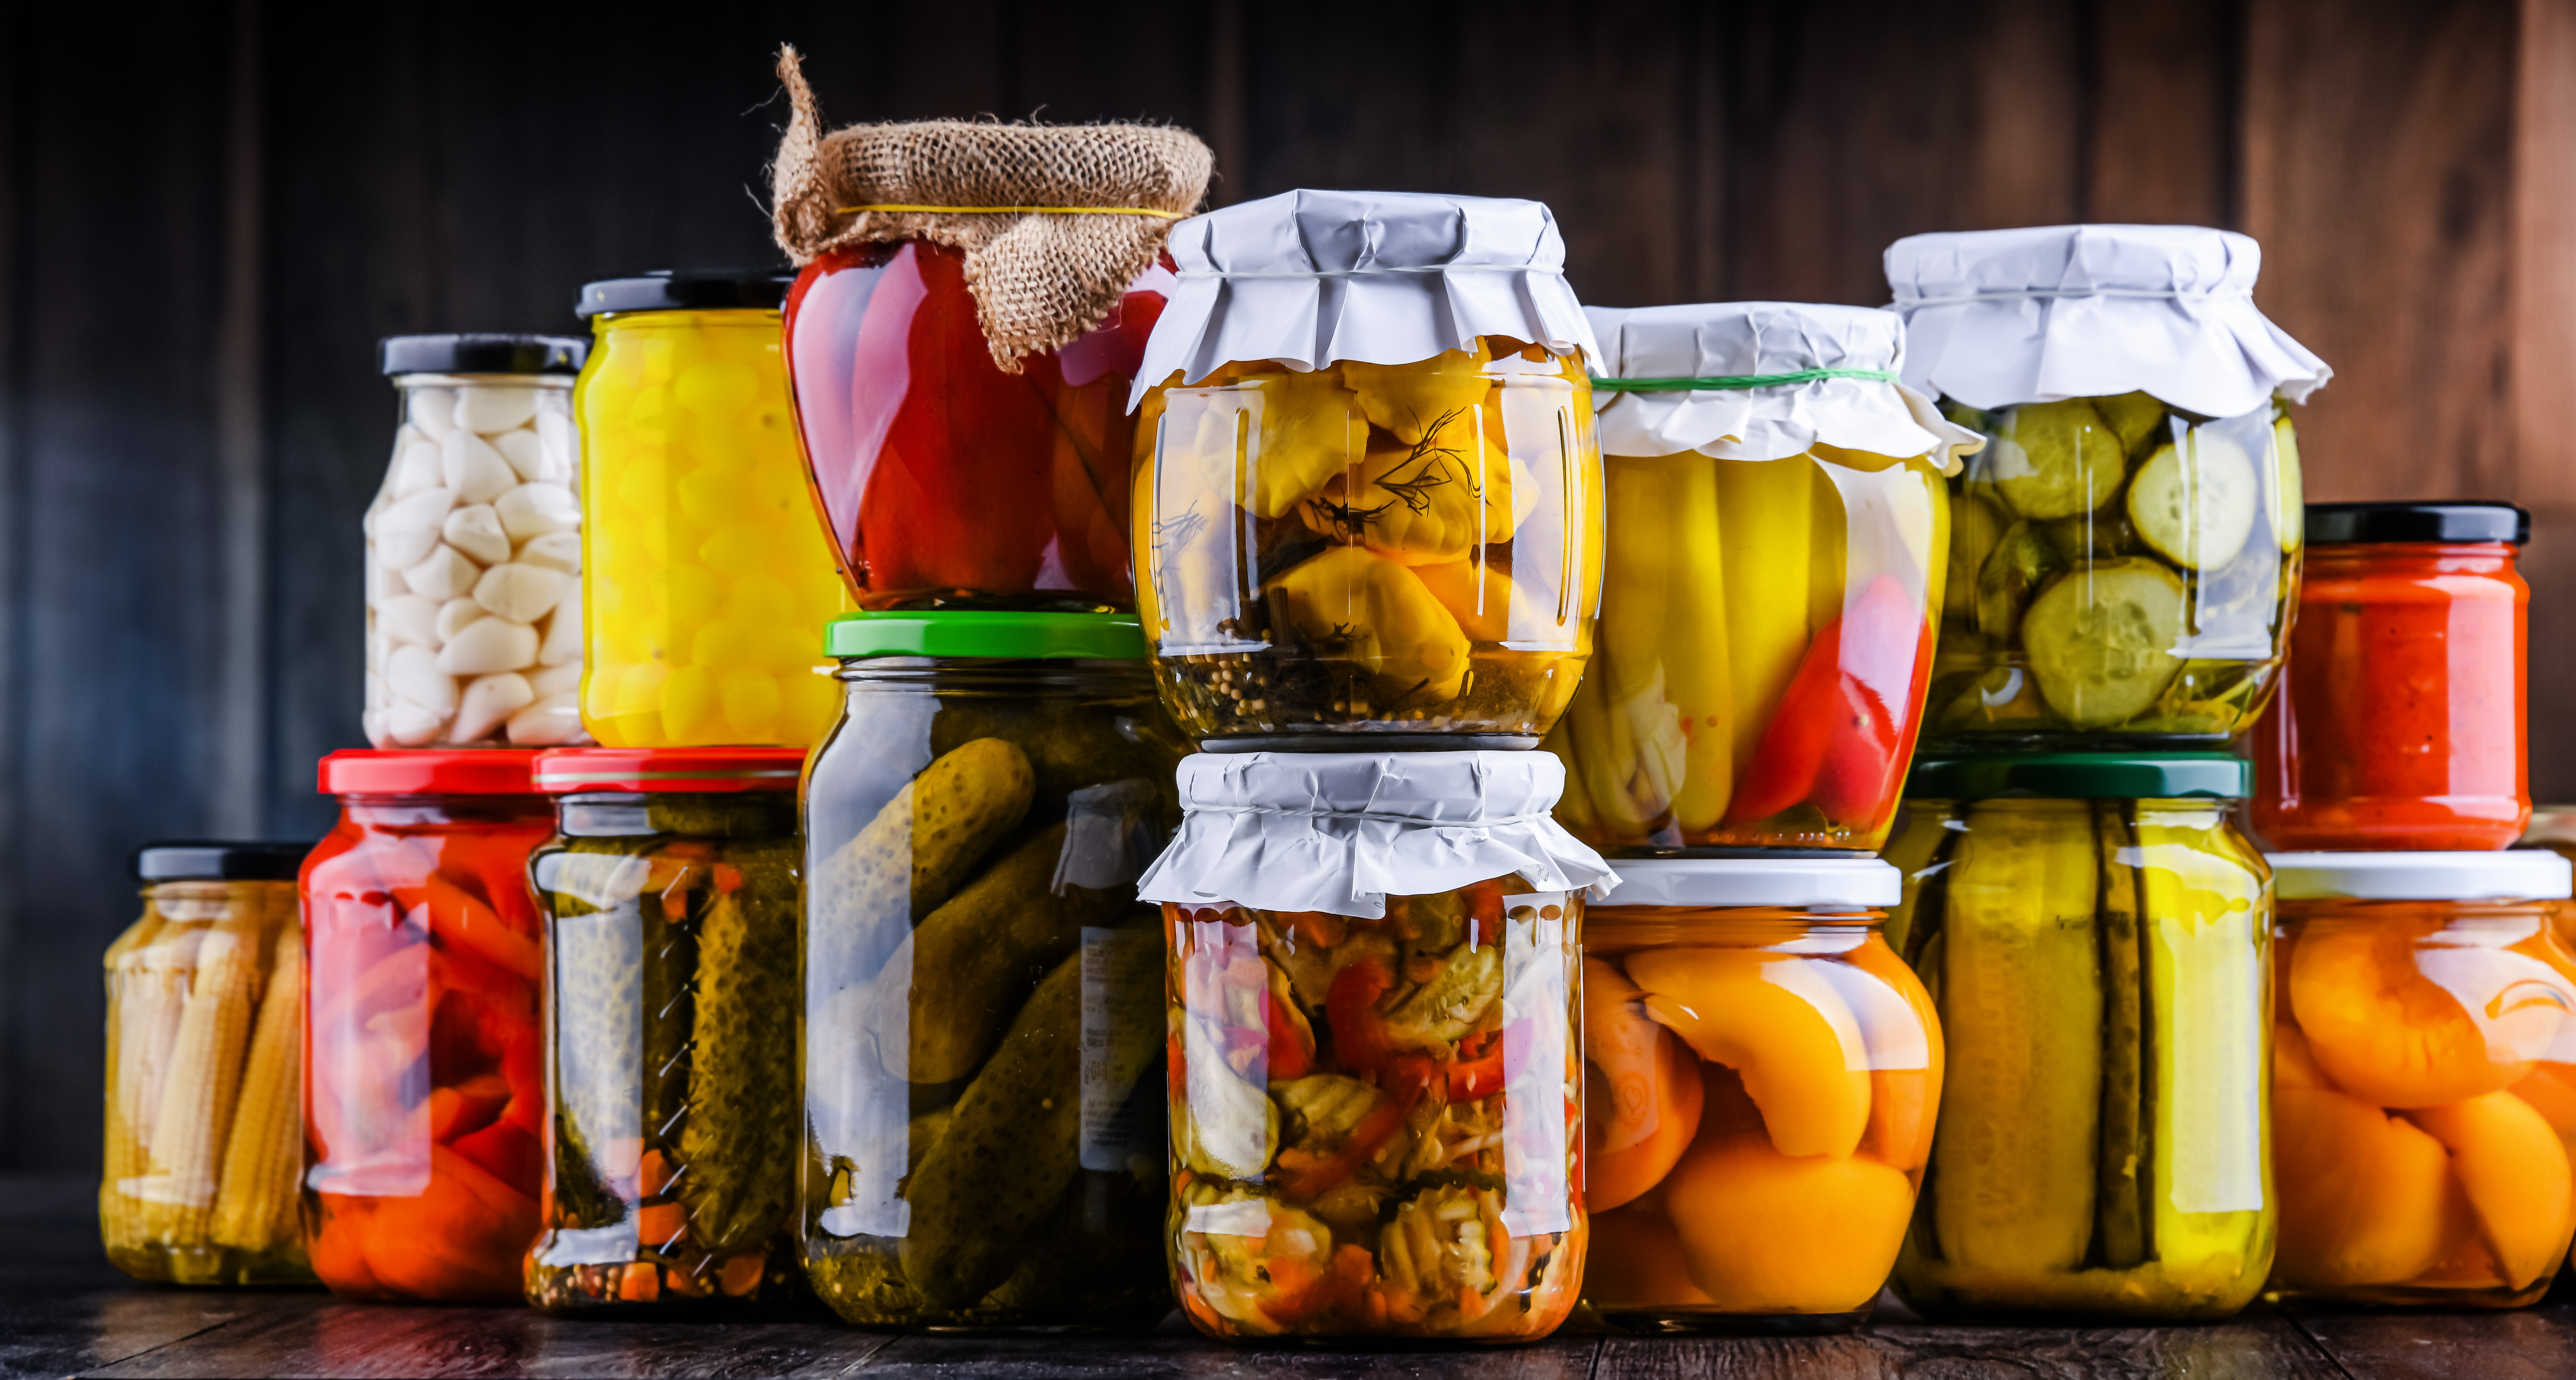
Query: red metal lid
{"points": [[707, 769], [429, 771]]}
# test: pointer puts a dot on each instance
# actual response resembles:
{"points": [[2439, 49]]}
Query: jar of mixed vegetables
{"points": [[1761, 1073], [425, 1097], [1779, 528], [670, 895], [2097, 938], [205, 1054], [2124, 552], [705, 572], [1376, 1089], [1398, 534], [2423, 1097], [983, 1121]]}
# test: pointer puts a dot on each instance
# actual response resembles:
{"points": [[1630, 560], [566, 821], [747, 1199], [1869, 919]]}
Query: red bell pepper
{"points": [[1360, 1043], [1835, 740], [1410, 1077], [1291, 1052]]}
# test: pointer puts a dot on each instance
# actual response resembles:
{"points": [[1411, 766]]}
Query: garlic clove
{"points": [[489, 700], [473, 469], [445, 574], [410, 618], [407, 529], [488, 645], [522, 593], [490, 408], [533, 510], [556, 550], [414, 675]]}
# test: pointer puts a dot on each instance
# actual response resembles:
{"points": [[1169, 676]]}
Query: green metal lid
{"points": [[2083, 776], [1001, 636]]}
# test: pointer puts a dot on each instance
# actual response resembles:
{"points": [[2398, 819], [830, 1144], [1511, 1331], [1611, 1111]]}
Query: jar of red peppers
{"points": [[1376, 1087], [425, 1100], [2401, 721]]}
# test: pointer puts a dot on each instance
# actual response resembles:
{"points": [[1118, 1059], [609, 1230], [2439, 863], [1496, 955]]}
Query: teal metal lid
{"points": [[2083, 776], [1000, 636]]}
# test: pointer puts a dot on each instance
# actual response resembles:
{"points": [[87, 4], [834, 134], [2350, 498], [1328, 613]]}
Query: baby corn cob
{"points": [[159, 995], [197, 1095], [255, 1209], [127, 1040], [1696, 658]]}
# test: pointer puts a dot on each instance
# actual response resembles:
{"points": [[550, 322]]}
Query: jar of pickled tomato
{"points": [[1761, 1073], [1767, 612], [2124, 553], [425, 1100], [205, 1057], [2423, 1095], [2401, 721], [2097, 939], [1376, 1086], [1397, 534], [705, 575], [670, 891]]}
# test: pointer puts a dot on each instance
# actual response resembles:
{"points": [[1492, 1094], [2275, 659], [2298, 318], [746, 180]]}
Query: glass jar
{"points": [[425, 1095], [2401, 724], [2423, 1094], [474, 546], [2097, 940], [670, 895], [945, 481], [205, 1046], [1761, 1073], [705, 572], [981, 1038]]}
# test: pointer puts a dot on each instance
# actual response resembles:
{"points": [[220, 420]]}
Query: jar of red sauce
{"points": [[945, 481], [425, 1094], [2400, 723]]}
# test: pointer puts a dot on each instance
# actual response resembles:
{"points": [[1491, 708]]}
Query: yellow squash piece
{"points": [[1441, 499], [1271, 440], [1777, 1022], [1412, 400], [1355, 607]]}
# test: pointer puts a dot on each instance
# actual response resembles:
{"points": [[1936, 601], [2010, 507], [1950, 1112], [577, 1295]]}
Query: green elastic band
{"points": [[1738, 381]]}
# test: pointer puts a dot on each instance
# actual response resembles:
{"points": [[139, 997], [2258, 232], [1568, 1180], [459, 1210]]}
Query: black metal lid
{"points": [[688, 289], [2357, 524], [481, 354], [203, 861]]}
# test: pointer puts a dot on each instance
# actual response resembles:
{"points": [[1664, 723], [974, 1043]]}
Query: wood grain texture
{"points": [[2524, 1345], [2160, 115], [2258, 1344]]}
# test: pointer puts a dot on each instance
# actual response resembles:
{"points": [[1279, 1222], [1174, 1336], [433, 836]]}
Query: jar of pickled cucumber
{"points": [[205, 1059], [704, 571], [1779, 527], [2124, 554], [1376, 1086], [2097, 938], [2423, 1092], [983, 1115], [425, 1098], [670, 895], [1761, 1073], [1368, 499]]}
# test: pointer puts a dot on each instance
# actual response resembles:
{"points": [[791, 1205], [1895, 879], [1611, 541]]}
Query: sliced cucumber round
{"points": [[2022, 561], [2054, 460], [2289, 500], [2194, 503], [2101, 639], [2133, 418], [1975, 527]]}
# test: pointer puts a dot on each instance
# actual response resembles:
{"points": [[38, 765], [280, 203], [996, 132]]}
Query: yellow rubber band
{"points": [[1015, 210]]}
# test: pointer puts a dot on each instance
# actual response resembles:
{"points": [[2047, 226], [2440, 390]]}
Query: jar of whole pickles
{"points": [[670, 895], [982, 1033], [474, 546], [2125, 553], [2423, 1088], [1767, 613], [1376, 1086], [1368, 499], [2097, 937], [205, 1057], [425, 1092], [1761, 1073], [705, 572]]}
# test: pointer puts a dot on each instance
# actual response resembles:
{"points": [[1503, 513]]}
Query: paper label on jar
{"points": [[2208, 1083], [1109, 836], [1122, 994], [1538, 964]]}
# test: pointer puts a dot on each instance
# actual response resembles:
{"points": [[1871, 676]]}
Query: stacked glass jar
{"points": [[2124, 555]]}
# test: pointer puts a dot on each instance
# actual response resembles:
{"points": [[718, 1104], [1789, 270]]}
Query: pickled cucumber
{"points": [[2023, 560], [738, 1141], [918, 849], [1975, 530], [2133, 418], [2122, 1162], [2055, 460], [2101, 640], [2289, 505], [2194, 502]]}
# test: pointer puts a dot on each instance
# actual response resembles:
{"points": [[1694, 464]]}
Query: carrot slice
{"points": [[466, 922]]}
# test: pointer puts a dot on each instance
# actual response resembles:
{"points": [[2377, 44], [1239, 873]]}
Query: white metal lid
{"points": [[1859, 882], [2516, 874]]}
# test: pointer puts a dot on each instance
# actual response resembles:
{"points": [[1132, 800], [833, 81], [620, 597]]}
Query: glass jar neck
{"points": [[703, 814], [2410, 558], [993, 674], [418, 811], [407, 382]]}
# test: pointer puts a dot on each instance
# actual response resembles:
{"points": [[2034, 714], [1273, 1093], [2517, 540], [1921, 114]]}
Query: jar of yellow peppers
{"points": [[705, 573]]}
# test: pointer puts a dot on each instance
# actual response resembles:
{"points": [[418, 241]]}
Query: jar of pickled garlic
{"points": [[1368, 498], [1779, 529], [983, 1073], [2423, 1090], [1372, 970], [425, 1094], [1761, 1073], [670, 899], [2124, 554], [706, 573], [205, 1054], [2097, 939], [2401, 722], [474, 546]]}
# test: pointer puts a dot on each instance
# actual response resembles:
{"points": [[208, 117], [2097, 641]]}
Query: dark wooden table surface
{"points": [[63, 1311]]}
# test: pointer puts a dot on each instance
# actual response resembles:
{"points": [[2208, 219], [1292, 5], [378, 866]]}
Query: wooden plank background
{"points": [[209, 212]]}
